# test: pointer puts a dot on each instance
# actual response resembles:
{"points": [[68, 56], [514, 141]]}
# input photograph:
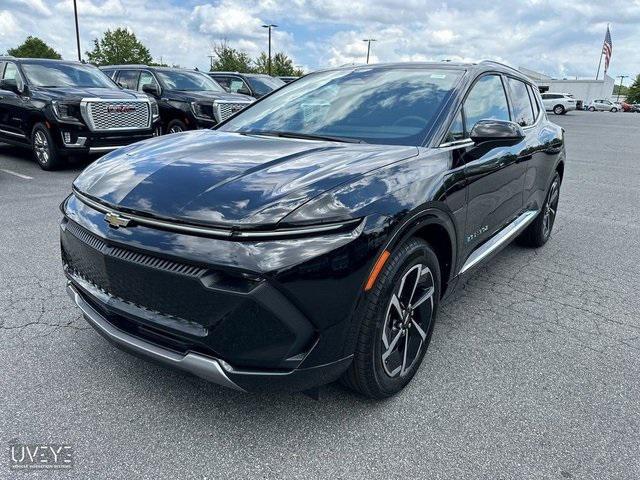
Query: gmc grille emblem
{"points": [[116, 221], [120, 108], [235, 108]]}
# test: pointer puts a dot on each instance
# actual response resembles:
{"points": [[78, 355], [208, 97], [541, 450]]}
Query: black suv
{"points": [[255, 84], [188, 99], [313, 235], [58, 108]]}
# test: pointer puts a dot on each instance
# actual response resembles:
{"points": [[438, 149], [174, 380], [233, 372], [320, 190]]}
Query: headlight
{"points": [[69, 112], [155, 111], [202, 110]]}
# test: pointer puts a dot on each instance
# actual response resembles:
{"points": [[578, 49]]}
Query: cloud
{"points": [[558, 38]]}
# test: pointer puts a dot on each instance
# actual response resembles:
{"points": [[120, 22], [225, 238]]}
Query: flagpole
{"points": [[599, 64]]}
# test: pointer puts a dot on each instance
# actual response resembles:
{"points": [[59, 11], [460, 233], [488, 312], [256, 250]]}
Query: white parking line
{"points": [[11, 172]]}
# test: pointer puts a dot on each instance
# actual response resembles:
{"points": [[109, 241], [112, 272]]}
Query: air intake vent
{"points": [[85, 237], [155, 262]]}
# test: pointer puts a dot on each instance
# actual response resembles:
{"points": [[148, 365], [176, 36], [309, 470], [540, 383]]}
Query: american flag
{"points": [[607, 49]]}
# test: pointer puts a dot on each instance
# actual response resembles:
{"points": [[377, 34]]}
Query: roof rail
{"points": [[501, 64], [135, 65]]}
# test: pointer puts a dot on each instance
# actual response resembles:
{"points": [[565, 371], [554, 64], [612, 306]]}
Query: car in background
{"points": [[313, 235], [187, 99], [58, 109], [288, 79], [256, 85], [558, 103], [602, 105]]}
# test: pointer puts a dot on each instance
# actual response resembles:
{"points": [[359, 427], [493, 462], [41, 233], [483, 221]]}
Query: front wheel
{"points": [[176, 126], [558, 110], [539, 231], [397, 322], [592, 109], [44, 150], [614, 109]]}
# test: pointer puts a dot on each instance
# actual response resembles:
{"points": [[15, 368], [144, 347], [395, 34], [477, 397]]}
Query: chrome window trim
{"points": [[358, 224], [84, 111]]}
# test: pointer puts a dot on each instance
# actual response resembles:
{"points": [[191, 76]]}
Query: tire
{"points": [[539, 231], [592, 109], [559, 110], [614, 109], [394, 336], [44, 149], [176, 126]]}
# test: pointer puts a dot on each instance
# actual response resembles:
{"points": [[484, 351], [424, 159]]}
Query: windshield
{"points": [[188, 81], [375, 105], [264, 85], [65, 75]]}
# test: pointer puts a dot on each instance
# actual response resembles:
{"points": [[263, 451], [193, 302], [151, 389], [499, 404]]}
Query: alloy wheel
{"points": [[41, 147], [175, 129], [407, 321], [550, 208]]}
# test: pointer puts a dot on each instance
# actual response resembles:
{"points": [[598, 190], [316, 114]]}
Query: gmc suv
{"points": [[188, 99], [59, 108]]}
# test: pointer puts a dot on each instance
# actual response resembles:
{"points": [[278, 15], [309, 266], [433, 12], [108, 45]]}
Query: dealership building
{"points": [[584, 89]]}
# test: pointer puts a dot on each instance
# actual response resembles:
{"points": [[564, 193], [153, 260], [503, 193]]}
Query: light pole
{"points": [[368, 40], [270, 26], [621, 77], [75, 14]]}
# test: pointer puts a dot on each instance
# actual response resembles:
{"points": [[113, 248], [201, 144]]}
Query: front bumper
{"points": [[266, 314], [78, 139], [208, 368]]}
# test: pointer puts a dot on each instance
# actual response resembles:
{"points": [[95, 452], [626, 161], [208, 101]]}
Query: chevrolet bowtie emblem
{"points": [[116, 221]]}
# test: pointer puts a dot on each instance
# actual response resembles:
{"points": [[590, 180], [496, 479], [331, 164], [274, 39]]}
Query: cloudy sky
{"points": [[558, 37]]}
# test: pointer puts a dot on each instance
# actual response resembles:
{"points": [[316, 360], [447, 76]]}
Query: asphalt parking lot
{"points": [[533, 371]]}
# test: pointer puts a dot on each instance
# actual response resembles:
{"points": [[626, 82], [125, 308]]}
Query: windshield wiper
{"points": [[305, 136]]}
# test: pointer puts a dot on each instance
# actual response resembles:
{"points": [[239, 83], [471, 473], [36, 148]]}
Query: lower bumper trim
{"points": [[103, 149], [199, 365]]}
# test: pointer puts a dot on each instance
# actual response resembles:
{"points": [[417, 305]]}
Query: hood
{"points": [[221, 178], [78, 93], [206, 96]]}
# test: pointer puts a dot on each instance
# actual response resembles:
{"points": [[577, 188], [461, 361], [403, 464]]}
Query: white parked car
{"points": [[558, 103], [603, 106]]}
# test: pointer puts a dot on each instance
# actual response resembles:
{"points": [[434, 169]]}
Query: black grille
{"points": [[93, 241], [85, 236], [155, 262]]}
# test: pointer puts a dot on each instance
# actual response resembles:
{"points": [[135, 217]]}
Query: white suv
{"points": [[603, 105], [558, 103]]}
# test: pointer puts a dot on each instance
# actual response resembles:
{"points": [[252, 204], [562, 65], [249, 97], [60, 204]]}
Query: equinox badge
{"points": [[116, 221]]}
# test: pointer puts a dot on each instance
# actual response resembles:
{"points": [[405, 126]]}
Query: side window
{"points": [[223, 82], [534, 102], [545, 96], [456, 130], [109, 73], [237, 85], [11, 73], [486, 101], [129, 79], [146, 78], [522, 110]]}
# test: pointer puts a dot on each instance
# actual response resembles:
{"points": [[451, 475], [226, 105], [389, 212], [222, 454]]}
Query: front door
{"points": [[12, 107], [494, 174]]}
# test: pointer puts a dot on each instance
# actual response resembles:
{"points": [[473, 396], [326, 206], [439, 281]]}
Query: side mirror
{"points": [[496, 131], [151, 89], [11, 85]]}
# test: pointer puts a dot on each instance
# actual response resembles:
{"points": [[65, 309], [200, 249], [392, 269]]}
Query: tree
{"points": [[229, 59], [281, 65], [633, 92], [119, 47], [33, 47]]}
